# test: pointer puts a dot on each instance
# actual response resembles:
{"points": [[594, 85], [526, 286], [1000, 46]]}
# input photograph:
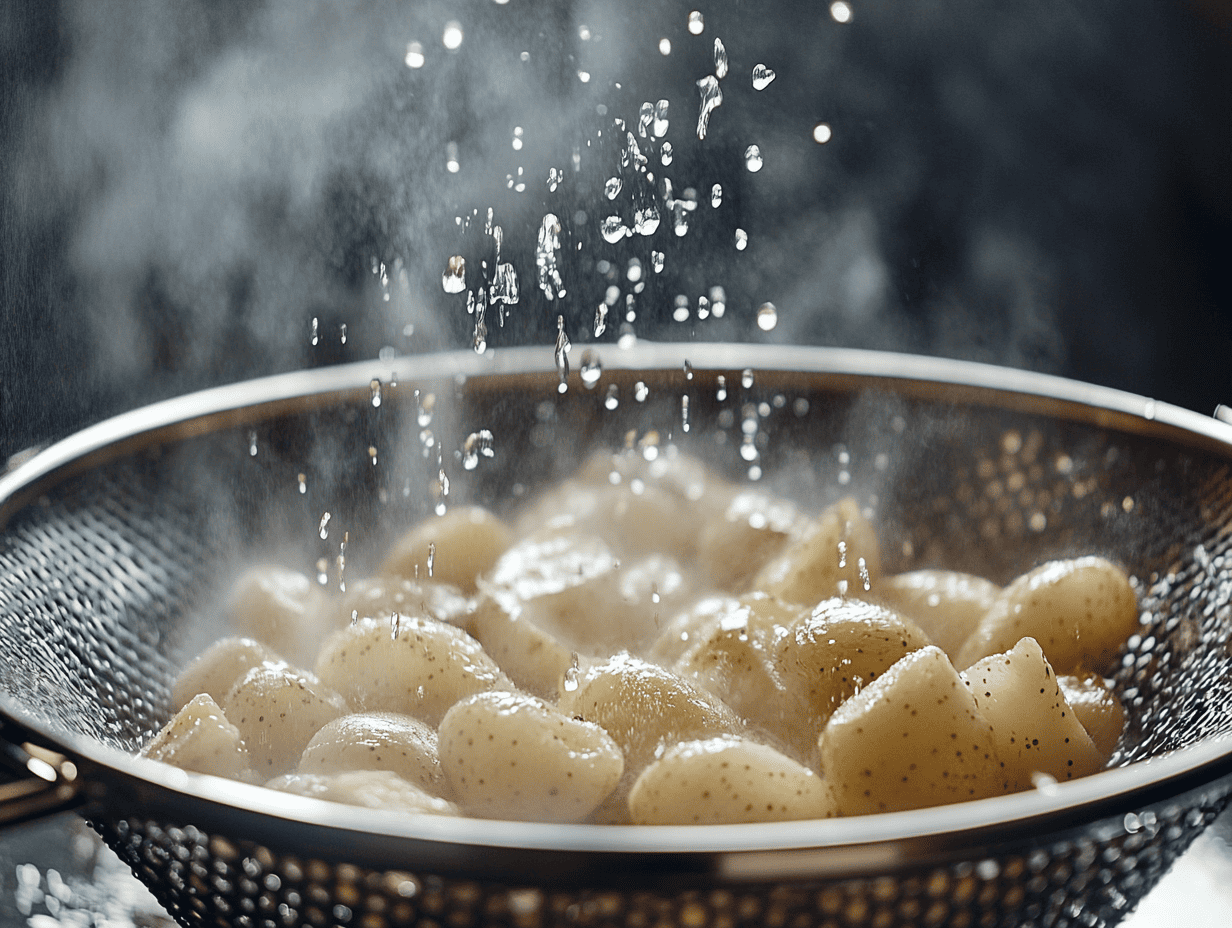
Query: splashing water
{"points": [[864, 574], [752, 159], [613, 229], [316, 331], [716, 196], [454, 278], [657, 261], [547, 252], [742, 240], [376, 393], [660, 119], [479, 342], [561, 354], [666, 154], [697, 22], [323, 527], [504, 287], [600, 319], [477, 445], [611, 187], [720, 59], [646, 221], [645, 117], [591, 369], [721, 392], [612, 400], [252, 444], [746, 378], [762, 77], [712, 97], [684, 412], [303, 484], [767, 317]]}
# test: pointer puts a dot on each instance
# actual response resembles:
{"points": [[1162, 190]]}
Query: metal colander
{"points": [[117, 544]]}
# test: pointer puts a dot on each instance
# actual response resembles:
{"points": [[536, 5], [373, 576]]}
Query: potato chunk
{"points": [[533, 658], [381, 597], [377, 741], [1034, 728], [725, 781], [215, 670], [735, 543], [277, 710], [1097, 708], [911, 738], [945, 604], [281, 608], [199, 738], [454, 548], [371, 789], [513, 756], [417, 666], [678, 633], [1080, 611], [836, 554]]}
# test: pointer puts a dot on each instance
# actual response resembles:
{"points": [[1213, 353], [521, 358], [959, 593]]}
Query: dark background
{"points": [[185, 187]]}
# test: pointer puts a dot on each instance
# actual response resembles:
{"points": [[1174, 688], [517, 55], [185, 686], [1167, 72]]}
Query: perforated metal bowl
{"points": [[116, 543]]}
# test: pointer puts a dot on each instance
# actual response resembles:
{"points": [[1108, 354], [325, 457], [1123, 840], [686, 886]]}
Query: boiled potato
{"points": [[199, 738], [735, 543], [381, 597], [913, 737], [514, 756], [533, 658], [461, 545], [416, 666], [372, 789], [1097, 708], [678, 474], [678, 633], [281, 608], [832, 555], [725, 781], [945, 604], [215, 670], [377, 741], [277, 711], [1080, 611]]}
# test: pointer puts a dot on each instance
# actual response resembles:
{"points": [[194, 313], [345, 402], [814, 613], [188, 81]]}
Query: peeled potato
{"points": [[372, 789], [512, 756], [454, 548], [678, 633], [724, 781], [215, 670], [945, 604], [1097, 708], [377, 741], [281, 608], [735, 543], [838, 548], [417, 666], [911, 738], [381, 597], [199, 738], [1080, 611], [533, 658]]}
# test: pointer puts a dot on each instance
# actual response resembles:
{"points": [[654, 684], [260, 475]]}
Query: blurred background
{"points": [[196, 193]]}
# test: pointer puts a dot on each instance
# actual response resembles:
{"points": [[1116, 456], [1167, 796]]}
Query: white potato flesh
{"points": [[836, 553], [381, 597], [1080, 611], [199, 738], [215, 670], [508, 755], [281, 608], [911, 738], [1097, 708], [454, 548], [726, 781], [1033, 727], [643, 707], [534, 659], [830, 653], [377, 741], [414, 665], [945, 604], [371, 789], [735, 543], [678, 633], [277, 711], [678, 474]]}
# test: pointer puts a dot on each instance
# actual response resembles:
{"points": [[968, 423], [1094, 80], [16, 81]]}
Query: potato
{"points": [[1097, 708], [680, 475], [199, 738], [1080, 611], [416, 666], [678, 633], [534, 659], [281, 608], [829, 654], [277, 711], [513, 756], [381, 597], [1033, 727], [460, 545], [838, 548], [725, 781], [377, 741], [911, 738], [215, 670], [642, 706], [735, 543], [372, 789], [945, 604]]}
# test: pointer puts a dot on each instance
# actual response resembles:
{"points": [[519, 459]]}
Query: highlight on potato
{"points": [[593, 659]]}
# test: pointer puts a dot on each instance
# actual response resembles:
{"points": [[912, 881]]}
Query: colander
{"points": [[118, 543]]}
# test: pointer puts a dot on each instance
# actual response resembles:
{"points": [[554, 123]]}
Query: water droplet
{"points": [[645, 221], [627, 340], [303, 484], [748, 451], [354, 616], [613, 229], [376, 392], [840, 11], [452, 37], [762, 77], [821, 133], [477, 445], [746, 378], [323, 527], [454, 278], [451, 158], [572, 674], [591, 369], [660, 119], [712, 97], [600, 319], [611, 187], [665, 46], [252, 444], [1148, 409], [753, 159], [696, 22], [561, 354], [316, 333], [842, 589], [684, 412], [504, 287], [612, 400], [479, 341], [342, 333], [864, 575], [666, 154], [720, 59], [742, 240], [584, 77], [842, 555], [414, 55], [547, 251], [767, 317], [517, 138], [688, 370], [640, 391], [645, 116], [657, 260], [372, 454], [680, 313], [721, 392]]}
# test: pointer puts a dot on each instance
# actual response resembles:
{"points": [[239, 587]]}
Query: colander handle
{"points": [[47, 782]]}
